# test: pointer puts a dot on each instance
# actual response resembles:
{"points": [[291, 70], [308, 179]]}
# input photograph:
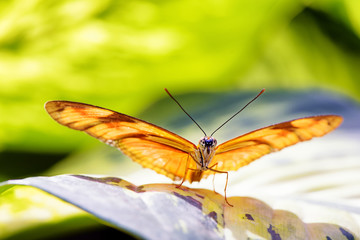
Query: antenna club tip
{"points": [[261, 92]]}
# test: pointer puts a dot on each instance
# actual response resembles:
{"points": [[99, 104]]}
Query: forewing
{"points": [[151, 146], [244, 149]]}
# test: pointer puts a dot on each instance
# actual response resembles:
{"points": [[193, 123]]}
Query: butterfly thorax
{"points": [[205, 152]]}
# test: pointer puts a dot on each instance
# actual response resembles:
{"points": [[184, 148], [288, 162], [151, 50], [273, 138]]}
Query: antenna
{"points": [[185, 111], [261, 92]]}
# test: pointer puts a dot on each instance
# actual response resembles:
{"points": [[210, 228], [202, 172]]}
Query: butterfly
{"points": [[177, 158]]}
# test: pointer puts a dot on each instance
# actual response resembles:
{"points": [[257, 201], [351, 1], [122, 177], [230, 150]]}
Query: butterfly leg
{"points": [[227, 178], [183, 180], [186, 170], [215, 165]]}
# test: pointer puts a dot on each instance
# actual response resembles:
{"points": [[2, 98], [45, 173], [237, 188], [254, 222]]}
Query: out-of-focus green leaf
{"points": [[121, 55], [163, 211], [29, 213], [353, 16], [315, 51]]}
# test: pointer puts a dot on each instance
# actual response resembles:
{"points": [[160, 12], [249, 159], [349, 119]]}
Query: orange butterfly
{"points": [[177, 158]]}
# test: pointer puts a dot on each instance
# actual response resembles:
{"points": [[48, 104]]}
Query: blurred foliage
{"points": [[29, 213], [123, 53]]}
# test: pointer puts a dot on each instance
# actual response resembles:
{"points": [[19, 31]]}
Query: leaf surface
{"points": [[163, 211]]}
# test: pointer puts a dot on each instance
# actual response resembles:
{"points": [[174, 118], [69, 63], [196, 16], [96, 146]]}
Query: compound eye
{"points": [[215, 142], [202, 142], [209, 142]]}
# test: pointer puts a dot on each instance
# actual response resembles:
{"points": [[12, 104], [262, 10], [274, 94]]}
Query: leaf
{"points": [[163, 211], [29, 213]]}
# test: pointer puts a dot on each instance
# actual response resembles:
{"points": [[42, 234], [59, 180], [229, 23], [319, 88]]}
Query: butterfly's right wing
{"points": [[242, 150], [151, 146]]}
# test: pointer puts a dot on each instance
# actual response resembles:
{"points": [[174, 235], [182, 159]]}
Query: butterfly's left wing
{"points": [[244, 149], [151, 146]]}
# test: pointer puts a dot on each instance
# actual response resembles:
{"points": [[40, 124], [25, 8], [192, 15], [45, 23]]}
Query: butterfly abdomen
{"points": [[195, 176]]}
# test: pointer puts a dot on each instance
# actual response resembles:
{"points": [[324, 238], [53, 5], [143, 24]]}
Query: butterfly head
{"points": [[207, 150], [208, 142]]}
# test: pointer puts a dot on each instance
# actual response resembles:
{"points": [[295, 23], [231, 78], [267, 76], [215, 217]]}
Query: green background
{"points": [[121, 54]]}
